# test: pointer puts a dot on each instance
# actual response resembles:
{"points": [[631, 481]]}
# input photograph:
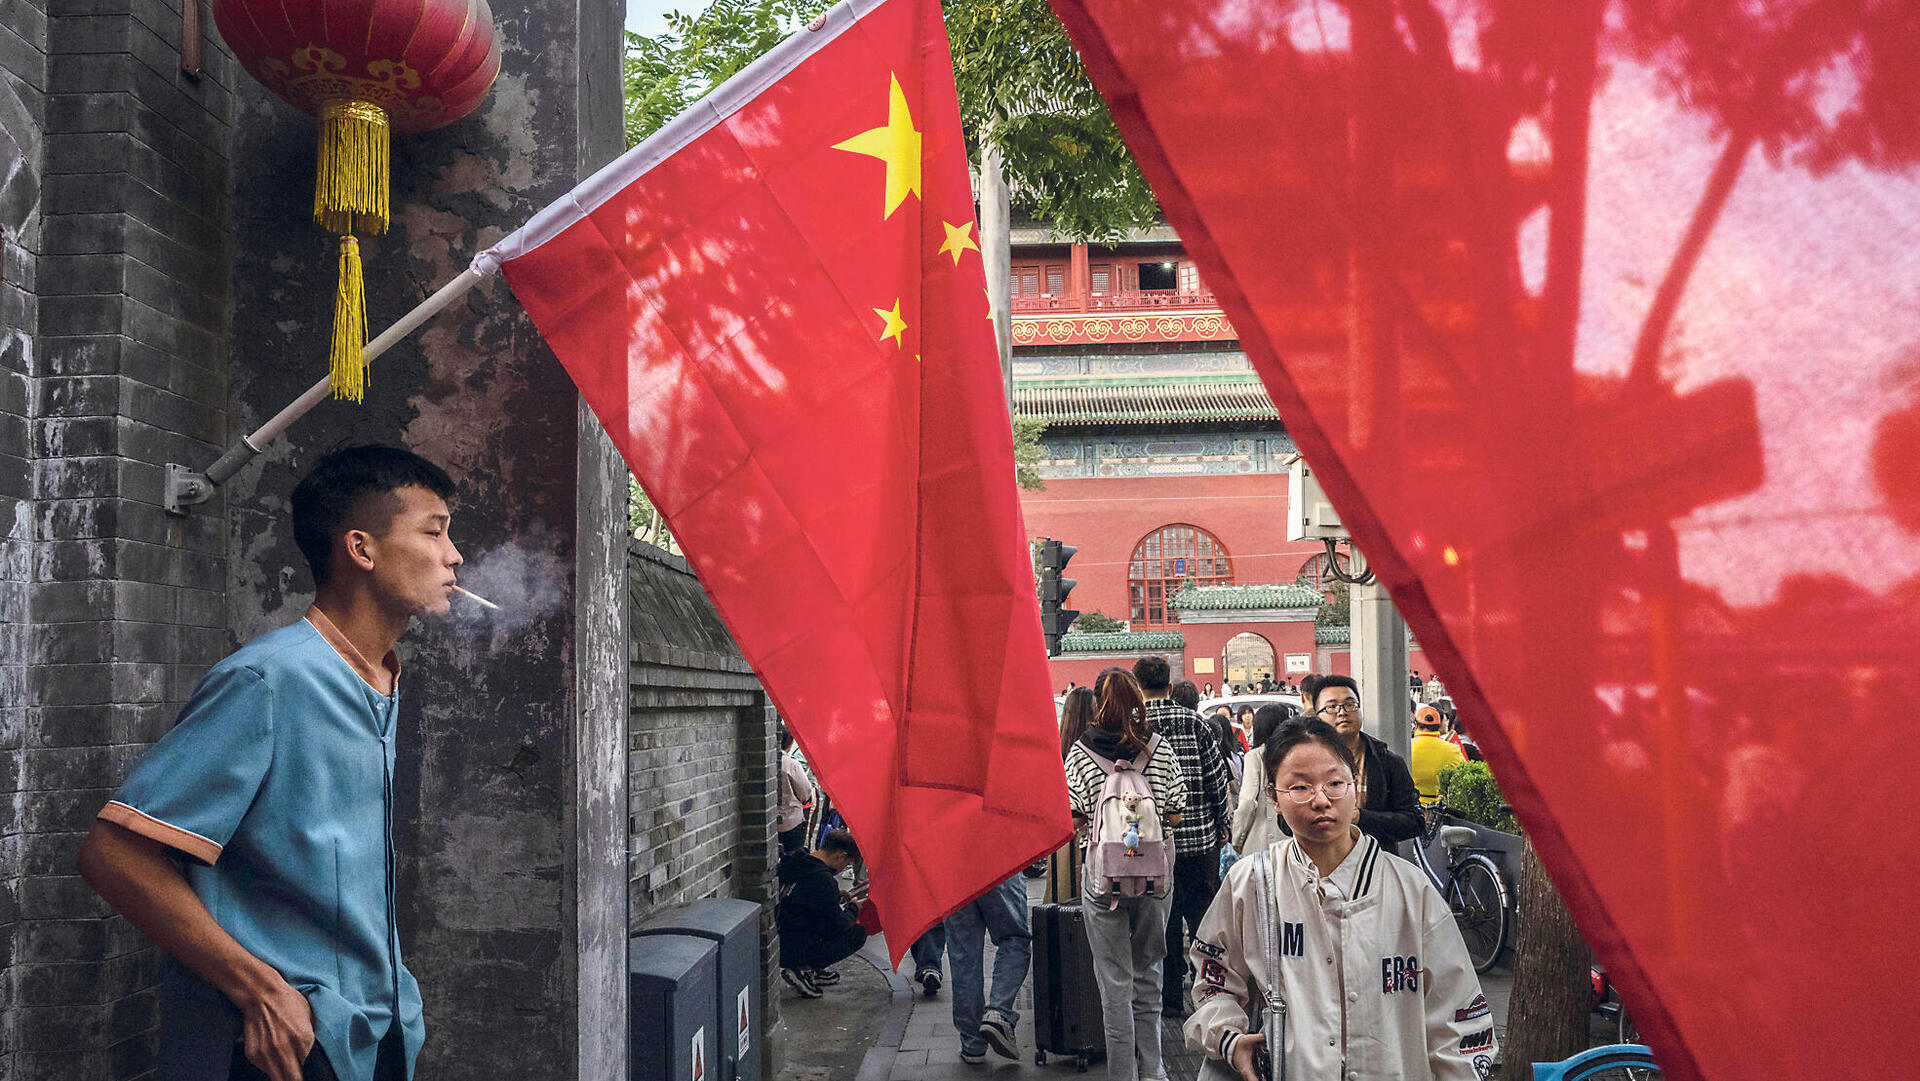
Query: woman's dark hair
{"points": [[354, 489], [786, 738], [1244, 713], [1120, 708], [1295, 732], [1076, 713], [1267, 720], [1229, 743]]}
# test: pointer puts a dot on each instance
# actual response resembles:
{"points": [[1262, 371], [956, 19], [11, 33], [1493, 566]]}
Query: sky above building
{"points": [[649, 17]]}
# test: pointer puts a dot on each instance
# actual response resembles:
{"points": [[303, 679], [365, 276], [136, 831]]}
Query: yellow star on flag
{"points": [[959, 240], [895, 324], [897, 144]]}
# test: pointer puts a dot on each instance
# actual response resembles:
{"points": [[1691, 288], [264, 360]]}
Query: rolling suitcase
{"points": [[1066, 1002]]}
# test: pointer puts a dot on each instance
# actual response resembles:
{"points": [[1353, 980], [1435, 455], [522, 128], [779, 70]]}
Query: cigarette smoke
{"points": [[527, 583]]}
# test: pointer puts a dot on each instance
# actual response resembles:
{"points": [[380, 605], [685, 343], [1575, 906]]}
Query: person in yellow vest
{"points": [[1431, 753]]}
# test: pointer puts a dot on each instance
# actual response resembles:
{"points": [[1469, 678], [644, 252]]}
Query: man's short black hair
{"points": [[347, 490], [1154, 673], [840, 841], [1333, 681], [1186, 694], [786, 739]]}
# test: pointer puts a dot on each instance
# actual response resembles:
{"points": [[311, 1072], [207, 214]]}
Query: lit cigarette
{"points": [[477, 597]]}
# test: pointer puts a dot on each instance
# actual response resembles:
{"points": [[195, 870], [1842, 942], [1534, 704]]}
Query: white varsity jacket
{"points": [[1376, 980]]}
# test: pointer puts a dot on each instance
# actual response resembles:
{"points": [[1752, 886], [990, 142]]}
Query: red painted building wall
{"points": [[1083, 670], [1106, 517], [1210, 640]]}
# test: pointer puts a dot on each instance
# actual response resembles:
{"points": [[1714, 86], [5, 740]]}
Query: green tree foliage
{"points": [[666, 74], [1026, 452], [1337, 609], [1469, 791], [1097, 623], [1021, 84], [646, 522]]}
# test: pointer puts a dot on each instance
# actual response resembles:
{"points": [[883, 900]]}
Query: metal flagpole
{"points": [[186, 487]]}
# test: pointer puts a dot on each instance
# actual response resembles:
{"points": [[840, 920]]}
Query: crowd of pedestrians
{"points": [[1198, 840]]}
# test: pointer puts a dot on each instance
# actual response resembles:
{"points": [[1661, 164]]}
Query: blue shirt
{"points": [[278, 782]]}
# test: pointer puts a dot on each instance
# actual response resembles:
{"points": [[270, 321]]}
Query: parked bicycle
{"points": [[1618, 1062], [1473, 884]]}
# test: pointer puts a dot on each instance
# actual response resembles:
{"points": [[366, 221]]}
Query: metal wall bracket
{"points": [[185, 488]]}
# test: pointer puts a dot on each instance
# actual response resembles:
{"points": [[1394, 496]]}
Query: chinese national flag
{"points": [[1595, 319], [776, 306]]}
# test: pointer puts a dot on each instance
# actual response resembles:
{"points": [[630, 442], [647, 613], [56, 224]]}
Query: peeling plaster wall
{"points": [[504, 793]]}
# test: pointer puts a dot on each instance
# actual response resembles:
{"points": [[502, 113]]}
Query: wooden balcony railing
{"points": [[1150, 300]]}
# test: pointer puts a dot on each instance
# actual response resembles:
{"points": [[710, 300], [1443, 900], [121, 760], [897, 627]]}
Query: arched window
{"points": [[1318, 571], [1166, 561]]}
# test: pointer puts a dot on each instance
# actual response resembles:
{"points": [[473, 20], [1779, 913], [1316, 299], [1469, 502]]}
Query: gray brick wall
{"points": [[701, 746], [113, 196], [23, 111]]}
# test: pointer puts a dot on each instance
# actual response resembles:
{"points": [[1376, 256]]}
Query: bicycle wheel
{"points": [[1479, 902], [1615, 1064]]}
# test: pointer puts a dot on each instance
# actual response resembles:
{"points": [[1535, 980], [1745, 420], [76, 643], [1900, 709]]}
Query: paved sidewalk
{"points": [[929, 1046], [919, 1043]]}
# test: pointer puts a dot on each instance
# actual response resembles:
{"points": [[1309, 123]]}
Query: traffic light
{"points": [[1054, 587]]}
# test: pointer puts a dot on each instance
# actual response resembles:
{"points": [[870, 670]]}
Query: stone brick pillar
{"points": [[511, 810], [115, 363]]}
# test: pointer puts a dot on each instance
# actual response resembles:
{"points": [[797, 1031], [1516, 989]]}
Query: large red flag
{"points": [[777, 307], [1626, 413]]}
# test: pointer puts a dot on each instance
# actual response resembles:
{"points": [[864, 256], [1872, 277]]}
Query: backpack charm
{"points": [[1132, 839]]}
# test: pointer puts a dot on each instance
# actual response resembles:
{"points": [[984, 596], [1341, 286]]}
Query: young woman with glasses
{"points": [[1371, 967]]}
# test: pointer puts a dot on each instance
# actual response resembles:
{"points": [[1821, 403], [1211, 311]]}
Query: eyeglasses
{"points": [[1303, 793], [1335, 709]]}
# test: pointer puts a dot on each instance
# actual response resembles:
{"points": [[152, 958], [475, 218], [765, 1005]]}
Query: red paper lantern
{"points": [[364, 68]]}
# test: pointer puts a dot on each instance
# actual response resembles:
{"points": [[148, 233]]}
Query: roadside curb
{"points": [[878, 1065]]}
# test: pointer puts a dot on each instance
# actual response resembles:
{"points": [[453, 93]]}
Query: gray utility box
{"points": [[671, 1034], [734, 927]]}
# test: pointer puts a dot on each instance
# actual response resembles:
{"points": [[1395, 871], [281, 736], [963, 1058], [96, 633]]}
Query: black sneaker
{"points": [[973, 1058], [825, 977], [999, 1034], [802, 982], [929, 981]]}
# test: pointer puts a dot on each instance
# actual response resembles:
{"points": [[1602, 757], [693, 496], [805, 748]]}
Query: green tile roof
{"points": [[1146, 401], [1122, 641], [1215, 598], [1333, 636]]}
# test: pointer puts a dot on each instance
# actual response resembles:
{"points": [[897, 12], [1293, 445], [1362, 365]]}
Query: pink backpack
{"points": [[1129, 853]]}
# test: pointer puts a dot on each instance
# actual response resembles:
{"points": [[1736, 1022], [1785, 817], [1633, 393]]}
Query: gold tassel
{"points": [[350, 187], [346, 368]]}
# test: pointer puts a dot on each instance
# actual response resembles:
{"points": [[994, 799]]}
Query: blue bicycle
{"points": [[1614, 1062]]}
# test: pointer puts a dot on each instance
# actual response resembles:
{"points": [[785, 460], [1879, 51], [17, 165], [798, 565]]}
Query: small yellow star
{"points": [[897, 144], [959, 240], [895, 325], [989, 294]]}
